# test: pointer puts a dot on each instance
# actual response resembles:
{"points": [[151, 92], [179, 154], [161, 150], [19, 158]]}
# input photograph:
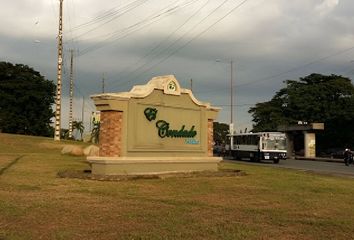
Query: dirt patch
{"points": [[86, 174]]}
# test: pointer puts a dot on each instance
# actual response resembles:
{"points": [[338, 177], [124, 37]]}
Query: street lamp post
{"points": [[231, 94], [231, 126]]}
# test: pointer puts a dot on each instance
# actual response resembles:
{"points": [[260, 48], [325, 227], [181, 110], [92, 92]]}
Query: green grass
{"points": [[266, 203]]}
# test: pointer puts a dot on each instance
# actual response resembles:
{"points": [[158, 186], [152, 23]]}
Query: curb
{"points": [[321, 159], [336, 160]]}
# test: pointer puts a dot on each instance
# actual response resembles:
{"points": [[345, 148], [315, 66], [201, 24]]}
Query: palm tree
{"points": [[79, 126], [95, 132], [64, 133]]}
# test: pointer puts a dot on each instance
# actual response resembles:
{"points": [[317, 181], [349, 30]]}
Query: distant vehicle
{"points": [[337, 153], [259, 146]]}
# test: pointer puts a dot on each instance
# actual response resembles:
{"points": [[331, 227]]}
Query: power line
{"points": [[174, 42], [118, 13], [272, 77], [234, 105], [192, 39], [299, 67], [135, 27], [65, 83], [71, 11], [83, 95], [180, 38], [139, 25], [168, 37], [107, 14]]}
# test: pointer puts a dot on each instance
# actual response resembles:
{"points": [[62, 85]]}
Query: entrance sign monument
{"points": [[155, 128]]}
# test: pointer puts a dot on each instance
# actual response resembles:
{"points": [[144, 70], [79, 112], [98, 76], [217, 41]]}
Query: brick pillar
{"points": [[210, 137], [111, 133]]}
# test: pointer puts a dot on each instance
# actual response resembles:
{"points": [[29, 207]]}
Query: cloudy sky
{"points": [[130, 41]]}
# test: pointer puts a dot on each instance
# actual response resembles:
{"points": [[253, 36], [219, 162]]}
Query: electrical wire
{"points": [[107, 14], [191, 40], [298, 67], [168, 37], [135, 27], [174, 42], [66, 82], [235, 105], [272, 77], [169, 10], [129, 30], [118, 14]]}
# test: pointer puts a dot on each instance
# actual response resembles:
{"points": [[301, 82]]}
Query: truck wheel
{"points": [[276, 160]]}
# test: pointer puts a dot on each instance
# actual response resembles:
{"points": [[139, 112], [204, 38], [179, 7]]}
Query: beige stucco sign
{"points": [[157, 127]]}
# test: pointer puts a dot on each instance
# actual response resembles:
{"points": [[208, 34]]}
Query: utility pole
{"points": [[103, 84], [231, 92], [60, 61], [232, 127], [71, 95], [82, 111], [191, 84]]}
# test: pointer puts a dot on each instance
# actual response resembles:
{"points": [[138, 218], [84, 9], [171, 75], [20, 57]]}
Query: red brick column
{"points": [[111, 133], [210, 137]]}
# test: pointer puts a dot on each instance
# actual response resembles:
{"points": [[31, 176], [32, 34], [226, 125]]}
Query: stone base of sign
{"points": [[152, 165]]}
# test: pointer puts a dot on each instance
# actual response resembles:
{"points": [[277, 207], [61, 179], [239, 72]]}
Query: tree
{"points": [[220, 132], [314, 98], [26, 99], [79, 126], [95, 133]]}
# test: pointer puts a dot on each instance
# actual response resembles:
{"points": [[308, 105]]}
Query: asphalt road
{"points": [[321, 167]]}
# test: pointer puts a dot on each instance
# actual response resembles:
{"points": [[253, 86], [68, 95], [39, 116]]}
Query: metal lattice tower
{"points": [[59, 80], [71, 95]]}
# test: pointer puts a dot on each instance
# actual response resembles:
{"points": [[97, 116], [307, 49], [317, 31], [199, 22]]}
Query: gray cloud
{"points": [[268, 40]]}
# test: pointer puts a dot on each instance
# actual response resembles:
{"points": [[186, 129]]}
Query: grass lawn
{"points": [[266, 203]]}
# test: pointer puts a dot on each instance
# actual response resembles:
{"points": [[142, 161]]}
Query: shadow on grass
{"points": [[86, 174], [13, 162]]}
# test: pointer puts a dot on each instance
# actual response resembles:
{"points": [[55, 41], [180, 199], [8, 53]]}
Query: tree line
{"points": [[328, 99], [314, 98], [27, 99]]}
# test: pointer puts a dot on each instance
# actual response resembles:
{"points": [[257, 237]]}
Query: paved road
{"points": [[331, 168]]}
